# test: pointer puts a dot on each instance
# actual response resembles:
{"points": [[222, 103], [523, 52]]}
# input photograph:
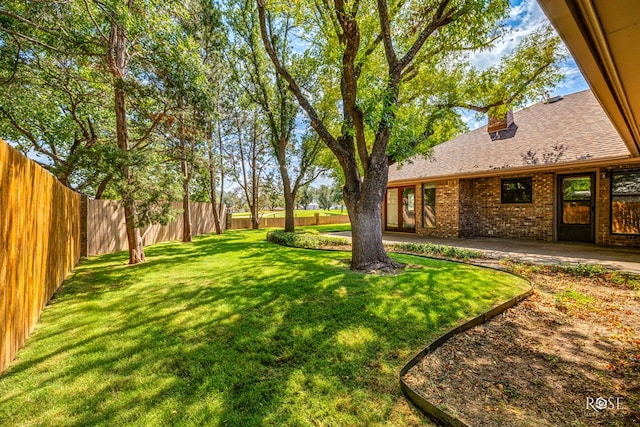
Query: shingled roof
{"points": [[572, 130]]}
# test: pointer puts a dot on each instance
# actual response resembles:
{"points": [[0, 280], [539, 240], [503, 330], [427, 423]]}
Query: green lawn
{"points": [[233, 330], [298, 213]]}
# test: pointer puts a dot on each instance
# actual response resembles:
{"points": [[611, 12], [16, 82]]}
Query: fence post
{"points": [[84, 232], [229, 221], [317, 218]]}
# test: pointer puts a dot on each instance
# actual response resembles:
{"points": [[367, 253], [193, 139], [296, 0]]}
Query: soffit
{"points": [[604, 39]]}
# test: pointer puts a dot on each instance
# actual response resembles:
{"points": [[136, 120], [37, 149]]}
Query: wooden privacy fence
{"points": [[39, 245], [241, 223], [106, 231], [45, 228]]}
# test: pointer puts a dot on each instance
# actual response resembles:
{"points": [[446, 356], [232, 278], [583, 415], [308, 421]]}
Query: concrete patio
{"points": [[536, 252]]}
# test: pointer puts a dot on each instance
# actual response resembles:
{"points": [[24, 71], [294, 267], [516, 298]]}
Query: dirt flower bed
{"points": [[569, 355]]}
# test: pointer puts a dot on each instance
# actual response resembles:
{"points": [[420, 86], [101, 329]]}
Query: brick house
{"points": [[555, 171]]}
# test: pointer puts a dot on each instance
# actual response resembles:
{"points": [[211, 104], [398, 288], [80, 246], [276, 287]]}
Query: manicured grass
{"points": [[233, 330], [298, 212]]}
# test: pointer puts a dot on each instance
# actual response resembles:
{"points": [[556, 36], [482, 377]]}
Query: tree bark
{"points": [[186, 178], [186, 207], [117, 59], [368, 253], [215, 206], [289, 195], [134, 239], [289, 210], [255, 177]]}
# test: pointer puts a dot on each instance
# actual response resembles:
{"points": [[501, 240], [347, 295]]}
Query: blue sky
{"points": [[526, 15]]}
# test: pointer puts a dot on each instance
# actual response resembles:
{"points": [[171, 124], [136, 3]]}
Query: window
{"points": [[428, 205], [518, 190], [625, 202]]}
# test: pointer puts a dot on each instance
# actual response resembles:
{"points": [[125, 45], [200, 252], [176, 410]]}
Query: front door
{"points": [[401, 209], [576, 207]]}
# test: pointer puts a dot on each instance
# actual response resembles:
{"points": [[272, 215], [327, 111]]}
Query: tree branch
{"points": [[95, 24], [316, 123], [37, 146], [150, 129], [349, 81], [385, 32], [439, 19]]}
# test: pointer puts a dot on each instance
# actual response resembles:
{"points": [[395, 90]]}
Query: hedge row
{"points": [[432, 249], [309, 239], [312, 239]]}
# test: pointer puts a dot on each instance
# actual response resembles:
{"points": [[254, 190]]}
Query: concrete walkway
{"points": [[614, 258]]}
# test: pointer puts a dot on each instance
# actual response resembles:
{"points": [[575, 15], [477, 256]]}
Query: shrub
{"points": [[436, 250], [585, 270], [309, 239], [312, 239]]}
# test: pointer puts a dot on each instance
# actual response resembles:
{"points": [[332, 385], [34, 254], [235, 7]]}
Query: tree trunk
{"points": [[214, 204], [134, 239], [289, 196], [136, 249], [289, 210], [216, 207], [364, 208], [186, 177], [117, 58], [255, 178], [186, 207], [255, 205], [186, 228]]}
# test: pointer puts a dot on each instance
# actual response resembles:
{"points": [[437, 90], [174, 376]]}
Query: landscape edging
{"points": [[428, 408]]}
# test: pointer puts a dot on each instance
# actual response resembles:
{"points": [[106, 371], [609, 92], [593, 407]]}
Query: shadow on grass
{"points": [[232, 330]]}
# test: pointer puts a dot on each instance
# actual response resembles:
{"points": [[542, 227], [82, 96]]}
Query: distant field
{"points": [[299, 213]]}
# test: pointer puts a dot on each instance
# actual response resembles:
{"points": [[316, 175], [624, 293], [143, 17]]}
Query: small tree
{"points": [[249, 158], [295, 156], [306, 196]]}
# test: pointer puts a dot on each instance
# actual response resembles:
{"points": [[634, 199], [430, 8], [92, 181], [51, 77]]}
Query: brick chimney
{"points": [[500, 122]]}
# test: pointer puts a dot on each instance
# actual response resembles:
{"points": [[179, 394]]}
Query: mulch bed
{"points": [[569, 355]]}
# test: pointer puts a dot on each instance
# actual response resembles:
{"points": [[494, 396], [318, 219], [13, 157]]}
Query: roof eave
{"points": [[555, 167], [610, 74]]}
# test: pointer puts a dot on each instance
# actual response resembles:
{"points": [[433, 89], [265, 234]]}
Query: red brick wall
{"points": [[473, 208], [447, 210], [484, 214]]}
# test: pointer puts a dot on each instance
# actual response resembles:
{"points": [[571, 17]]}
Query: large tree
{"points": [[374, 52], [56, 113], [116, 37]]}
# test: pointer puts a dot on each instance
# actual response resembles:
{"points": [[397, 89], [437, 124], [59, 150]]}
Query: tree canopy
{"points": [[395, 74], [152, 101]]}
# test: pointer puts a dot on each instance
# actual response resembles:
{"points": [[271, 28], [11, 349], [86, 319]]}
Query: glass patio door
{"points": [[401, 209]]}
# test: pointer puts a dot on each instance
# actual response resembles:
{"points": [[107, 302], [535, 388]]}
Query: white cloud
{"points": [[524, 18]]}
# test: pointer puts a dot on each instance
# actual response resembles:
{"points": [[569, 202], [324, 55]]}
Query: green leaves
{"points": [[527, 73]]}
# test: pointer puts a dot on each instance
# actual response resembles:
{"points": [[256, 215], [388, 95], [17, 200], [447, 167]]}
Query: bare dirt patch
{"points": [[547, 361]]}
